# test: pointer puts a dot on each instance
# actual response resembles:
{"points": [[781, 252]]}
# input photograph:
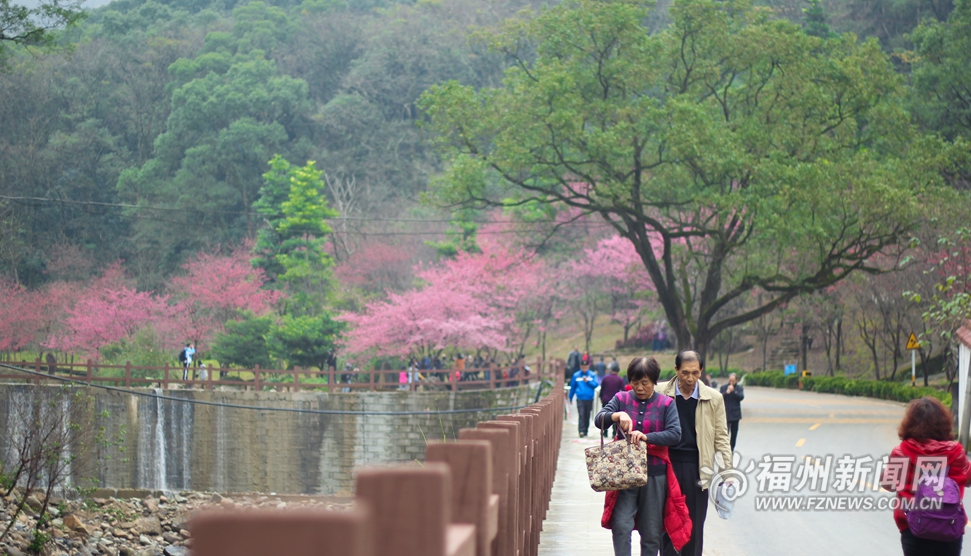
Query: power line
{"points": [[261, 407]]}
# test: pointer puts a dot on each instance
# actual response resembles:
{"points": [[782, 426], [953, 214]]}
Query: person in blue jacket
{"points": [[583, 384]]}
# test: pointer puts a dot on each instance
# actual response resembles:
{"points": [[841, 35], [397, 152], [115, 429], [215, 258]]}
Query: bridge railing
{"points": [[485, 494], [295, 379]]}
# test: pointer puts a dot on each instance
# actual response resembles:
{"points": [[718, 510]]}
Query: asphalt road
{"points": [[774, 423]]}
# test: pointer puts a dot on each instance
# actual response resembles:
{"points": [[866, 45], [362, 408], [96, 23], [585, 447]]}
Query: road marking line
{"points": [[800, 442], [808, 420], [814, 427]]}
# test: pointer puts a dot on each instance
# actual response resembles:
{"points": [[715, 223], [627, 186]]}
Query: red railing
{"points": [[296, 379]]}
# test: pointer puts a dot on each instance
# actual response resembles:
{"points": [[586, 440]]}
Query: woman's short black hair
{"points": [[643, 367], [688, 356]]}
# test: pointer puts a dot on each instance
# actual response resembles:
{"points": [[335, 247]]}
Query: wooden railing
{"points": [[296, 379], [485, 494]]}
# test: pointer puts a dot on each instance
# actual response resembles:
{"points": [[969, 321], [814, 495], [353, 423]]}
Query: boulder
{"points": [[148, 525], [176, 551], [72, 522], [34, 502], [150, 504]]}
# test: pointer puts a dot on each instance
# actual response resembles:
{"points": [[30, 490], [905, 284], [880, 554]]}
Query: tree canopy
{"points": [[735, 152]]}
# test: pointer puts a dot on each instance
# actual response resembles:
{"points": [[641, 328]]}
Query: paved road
{"points": [[775, 422]]}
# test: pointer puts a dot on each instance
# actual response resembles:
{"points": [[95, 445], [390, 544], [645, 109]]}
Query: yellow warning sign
{"points": [[912, 342]]}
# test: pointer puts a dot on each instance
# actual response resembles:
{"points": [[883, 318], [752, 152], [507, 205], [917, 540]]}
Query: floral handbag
{"points": [[617, 465]]}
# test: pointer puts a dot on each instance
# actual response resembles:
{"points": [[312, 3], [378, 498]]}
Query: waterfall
{"points": [[159, 454]]}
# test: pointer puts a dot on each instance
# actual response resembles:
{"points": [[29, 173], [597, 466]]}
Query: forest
{"points": [[281, 183]]}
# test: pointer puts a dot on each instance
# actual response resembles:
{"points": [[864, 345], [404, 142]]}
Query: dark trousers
{"points": [[697, 502], [584, 407], [640, 508], [914, 546], [733, 430]]}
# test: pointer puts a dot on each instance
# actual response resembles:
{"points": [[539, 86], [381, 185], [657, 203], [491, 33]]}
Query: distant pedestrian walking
{"points": [[658, 506], [704, 433], [185, 357], [927, 445], [733, 394], [572, 362], [600, 368], [582, 385]]}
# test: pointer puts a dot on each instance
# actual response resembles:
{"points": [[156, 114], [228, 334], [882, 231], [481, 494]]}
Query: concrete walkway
{"points": [[775, 422], [572, 526]]}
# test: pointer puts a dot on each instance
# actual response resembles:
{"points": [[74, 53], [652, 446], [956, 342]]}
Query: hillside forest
{"points": [[303, 184]]}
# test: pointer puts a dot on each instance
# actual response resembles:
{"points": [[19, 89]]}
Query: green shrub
{"points": [[850, 387]]}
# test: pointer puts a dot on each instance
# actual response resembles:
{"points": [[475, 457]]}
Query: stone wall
{"points": [[170, 444]]}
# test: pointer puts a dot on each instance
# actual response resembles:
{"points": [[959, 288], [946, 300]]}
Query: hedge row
{"points": [[847, 386]]}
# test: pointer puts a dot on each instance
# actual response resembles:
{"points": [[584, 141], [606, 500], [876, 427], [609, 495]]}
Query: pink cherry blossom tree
{"points": [[18, 318], [108, 310], [475, 301], [213, 290]]}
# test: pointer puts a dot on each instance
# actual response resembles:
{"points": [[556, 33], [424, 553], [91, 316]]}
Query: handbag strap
{"points": [[622, 434]]}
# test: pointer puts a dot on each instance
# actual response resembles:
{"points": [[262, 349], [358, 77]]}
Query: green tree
{"points": [[306, 340], [942, 83], [243, 344], [35, 28], [291, 247], [814, 18], [737, 153]]}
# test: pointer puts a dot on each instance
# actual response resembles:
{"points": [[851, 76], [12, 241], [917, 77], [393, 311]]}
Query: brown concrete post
{"points": [[256, 379], [294, 533], [470, 462], [503, 462], [526, 479], [165, 377], [512, 543], [127, 374], [412, 508], [87, 373], [296, 378]]}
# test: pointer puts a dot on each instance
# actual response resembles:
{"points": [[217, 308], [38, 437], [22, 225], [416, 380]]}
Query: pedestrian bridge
{"points": [[486, 493]]}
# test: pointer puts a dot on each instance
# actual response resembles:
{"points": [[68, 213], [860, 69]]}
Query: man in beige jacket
{"points": [[704, 434]]}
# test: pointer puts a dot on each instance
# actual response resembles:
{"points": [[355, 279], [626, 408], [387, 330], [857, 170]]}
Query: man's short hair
{"points": [[687, 356], [643, 367]]}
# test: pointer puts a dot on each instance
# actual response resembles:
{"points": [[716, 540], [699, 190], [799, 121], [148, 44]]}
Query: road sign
{"points": [[790, 369], [912, 342]]}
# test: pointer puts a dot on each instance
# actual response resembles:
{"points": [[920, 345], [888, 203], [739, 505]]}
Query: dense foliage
{"points": [[154, 149]]}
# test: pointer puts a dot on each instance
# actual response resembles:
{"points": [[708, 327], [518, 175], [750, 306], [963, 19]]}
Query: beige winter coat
{"points": [[710, 428]]}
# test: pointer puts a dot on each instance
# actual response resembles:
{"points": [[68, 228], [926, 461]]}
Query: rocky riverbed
{"points": [[146, 526]]}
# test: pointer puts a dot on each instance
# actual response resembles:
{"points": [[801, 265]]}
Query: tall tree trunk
{"points": [[839, 342], [804, 346]]}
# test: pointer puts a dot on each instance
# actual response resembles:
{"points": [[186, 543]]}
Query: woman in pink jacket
{"points": [[925, 434]]}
